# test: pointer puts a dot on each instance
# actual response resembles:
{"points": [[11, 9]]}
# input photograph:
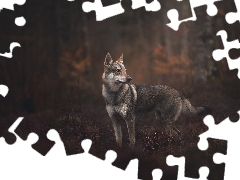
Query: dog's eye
{"points": [[118, 70]]}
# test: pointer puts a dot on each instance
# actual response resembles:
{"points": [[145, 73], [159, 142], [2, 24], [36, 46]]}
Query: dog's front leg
{"points": [[131, 130], [118, 131]]}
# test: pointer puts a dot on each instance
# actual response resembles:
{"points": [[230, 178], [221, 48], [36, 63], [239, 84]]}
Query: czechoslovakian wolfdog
{"points": [[125, 101]]}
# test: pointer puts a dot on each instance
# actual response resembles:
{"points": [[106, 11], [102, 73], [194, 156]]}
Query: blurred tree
{"points": [[203, 44], [171, 67]]}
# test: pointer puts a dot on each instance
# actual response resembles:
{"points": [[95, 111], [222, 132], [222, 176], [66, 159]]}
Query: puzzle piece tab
{"points": [[102, 12], [20, 21], [3, 90], [225, 130], [224, 53], [58, 149], [157, 174], [173, 14], [180, 162]]}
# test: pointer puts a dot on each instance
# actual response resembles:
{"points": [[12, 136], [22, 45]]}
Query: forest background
{"points": [[63, 49]]}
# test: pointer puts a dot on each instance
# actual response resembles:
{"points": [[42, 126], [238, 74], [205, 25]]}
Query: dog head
{"points": [[115, 72]]}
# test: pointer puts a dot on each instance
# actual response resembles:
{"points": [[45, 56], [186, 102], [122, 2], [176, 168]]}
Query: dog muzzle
{"points": [[127, 80]]}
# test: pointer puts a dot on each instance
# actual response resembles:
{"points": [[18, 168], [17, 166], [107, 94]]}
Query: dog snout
{"points": [[128, 78]]}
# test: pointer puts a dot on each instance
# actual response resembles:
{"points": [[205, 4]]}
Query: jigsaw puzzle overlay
{"points": [[73, 164]]}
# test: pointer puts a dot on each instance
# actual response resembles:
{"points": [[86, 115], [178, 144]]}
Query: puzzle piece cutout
{"points": [[9, 4], [19, 145], [40, 126], [195, 159], [145, 168], [226, 8], [225, 130], [9, 137], [19, 21], [110, 156], [12, 46], [232, 17], [3, 90], [102, 12], [232, 37], [180, 162], [22, 146], [224, 53], [173, 14]]}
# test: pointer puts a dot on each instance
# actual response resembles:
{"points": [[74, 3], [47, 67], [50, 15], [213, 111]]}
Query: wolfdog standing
{"points": [[125, 101]]}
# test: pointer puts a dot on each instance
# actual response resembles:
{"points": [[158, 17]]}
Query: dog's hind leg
{"points": [[171, 129], [118, 132], [169, 116], [166, 123]]}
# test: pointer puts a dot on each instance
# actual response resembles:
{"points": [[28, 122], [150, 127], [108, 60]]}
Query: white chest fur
{"points": [[120, 109]]}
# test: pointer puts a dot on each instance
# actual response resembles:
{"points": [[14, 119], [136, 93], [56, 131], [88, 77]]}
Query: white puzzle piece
{"points": [[103, 12]]}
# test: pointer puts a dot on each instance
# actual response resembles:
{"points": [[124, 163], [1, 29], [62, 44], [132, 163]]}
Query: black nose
{"points": [[129, 78]]}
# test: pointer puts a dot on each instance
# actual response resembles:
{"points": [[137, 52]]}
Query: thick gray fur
{"points": [[126, 101]]}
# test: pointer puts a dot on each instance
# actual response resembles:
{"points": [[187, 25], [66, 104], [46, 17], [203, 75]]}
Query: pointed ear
{"points": [[120, 60], [108, 60]]}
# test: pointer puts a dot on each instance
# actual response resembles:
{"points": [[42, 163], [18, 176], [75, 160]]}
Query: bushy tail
{"points": [[189, 110]]}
